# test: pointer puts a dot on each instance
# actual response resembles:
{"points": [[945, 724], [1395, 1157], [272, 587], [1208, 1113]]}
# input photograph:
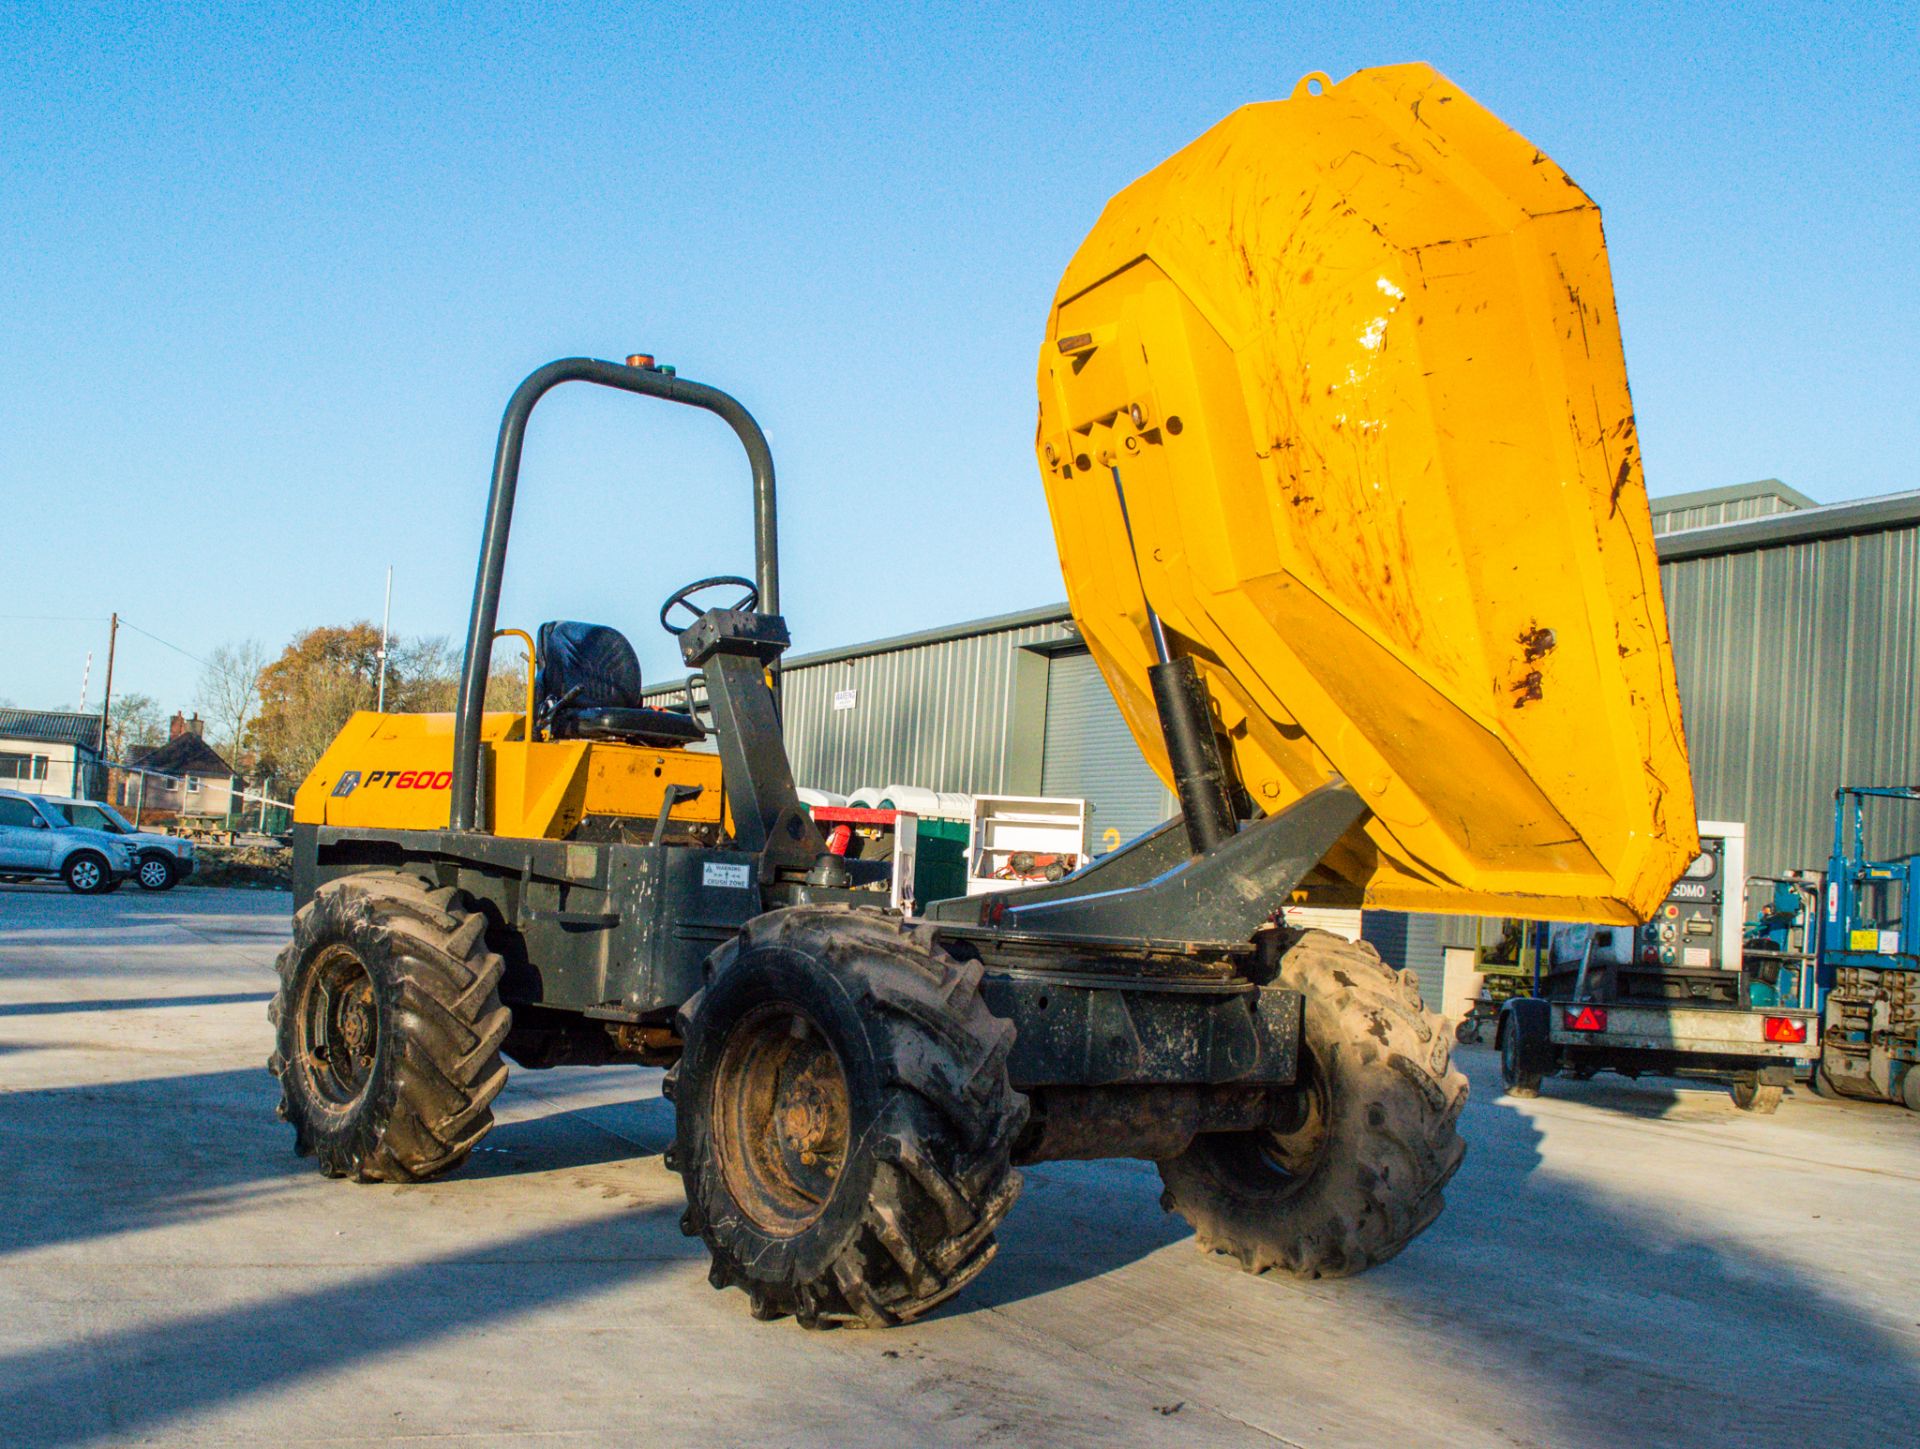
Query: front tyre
{"points": [[389, 1026], [87, 874], [156, 873], [1352, 1168], [844, 1119]]}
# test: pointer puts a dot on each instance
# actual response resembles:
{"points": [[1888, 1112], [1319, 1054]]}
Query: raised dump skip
{"points": [[1352, 361]]}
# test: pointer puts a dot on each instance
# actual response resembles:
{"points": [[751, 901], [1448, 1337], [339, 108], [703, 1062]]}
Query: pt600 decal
{"points": [[394, 780]]}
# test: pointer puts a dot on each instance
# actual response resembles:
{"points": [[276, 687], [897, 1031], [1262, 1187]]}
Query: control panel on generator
{"points": [[1698, 925], [1696, 928]]}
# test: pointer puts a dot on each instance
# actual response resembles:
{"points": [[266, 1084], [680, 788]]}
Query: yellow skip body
{"points": [[1355, 361]]}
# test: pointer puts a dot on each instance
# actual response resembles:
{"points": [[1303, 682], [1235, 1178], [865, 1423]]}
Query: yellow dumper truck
{"points": [[1335, 432]]}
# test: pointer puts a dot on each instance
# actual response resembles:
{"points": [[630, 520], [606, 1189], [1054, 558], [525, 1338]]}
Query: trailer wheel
{"points": [[1518, 1080], [389, 1026], [845, 1122], [1752, 1095], [1353, 1169]]}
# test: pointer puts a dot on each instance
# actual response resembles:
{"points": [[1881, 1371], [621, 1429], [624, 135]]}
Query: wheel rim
{"points": [[153, 874], [1279, 1159], [86, 875], [339, 1022], [781, 1118]]}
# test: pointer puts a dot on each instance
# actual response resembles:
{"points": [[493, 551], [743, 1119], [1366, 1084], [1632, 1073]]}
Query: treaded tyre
{"points": [[1355, 1171], [389, 1026], [1515, 1079], [1824, 1085], [1750, 1095], [844, 1118]]}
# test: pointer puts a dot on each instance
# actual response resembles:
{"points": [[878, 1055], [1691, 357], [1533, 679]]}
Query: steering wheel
{"points": [[683, 599]]}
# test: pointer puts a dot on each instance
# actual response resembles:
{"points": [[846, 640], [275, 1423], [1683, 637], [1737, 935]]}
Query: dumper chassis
{"points": [[854, 1091]]}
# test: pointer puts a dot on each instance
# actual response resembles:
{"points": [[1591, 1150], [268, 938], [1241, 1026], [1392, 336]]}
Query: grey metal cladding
{"points": [[1090, 753], [938, 714], [1709, 506], [1797, 675]]}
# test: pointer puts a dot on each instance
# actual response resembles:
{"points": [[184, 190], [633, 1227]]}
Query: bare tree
{"points": [[135, 722], [229, 693]]}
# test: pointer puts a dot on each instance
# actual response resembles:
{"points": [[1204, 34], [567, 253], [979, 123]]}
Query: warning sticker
{"points": [[733, 876]]}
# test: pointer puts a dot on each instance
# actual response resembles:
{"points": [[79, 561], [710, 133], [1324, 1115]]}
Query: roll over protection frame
{"points": [[648, 382]]}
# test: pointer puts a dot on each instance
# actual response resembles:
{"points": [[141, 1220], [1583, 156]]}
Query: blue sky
{"points": [[267, 279]]}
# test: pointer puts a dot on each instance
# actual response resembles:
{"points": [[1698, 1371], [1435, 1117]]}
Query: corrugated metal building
{"points": [[1004, 706], [1794, 629], [1794, 637], [1726, 505]]}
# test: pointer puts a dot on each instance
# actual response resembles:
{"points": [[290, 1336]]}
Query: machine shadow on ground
{"points": [[135, 1178], [1623, 1324], [129, 1383], [131, 1003], [1608, 1322]]}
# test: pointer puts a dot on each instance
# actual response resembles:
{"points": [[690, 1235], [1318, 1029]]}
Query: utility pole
{"points": [[106, 700], [386, 613]]}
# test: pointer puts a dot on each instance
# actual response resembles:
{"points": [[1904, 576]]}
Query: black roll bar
{"points": [[648, 382]]}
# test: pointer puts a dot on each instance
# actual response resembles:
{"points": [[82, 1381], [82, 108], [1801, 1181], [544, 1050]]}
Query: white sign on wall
{"points": [[843, 699]]}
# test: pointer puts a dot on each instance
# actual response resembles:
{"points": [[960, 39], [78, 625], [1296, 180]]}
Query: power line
{"points": [[167, 642]]}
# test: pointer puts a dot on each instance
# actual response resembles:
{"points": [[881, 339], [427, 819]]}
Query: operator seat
{"points": [[587, 687]]}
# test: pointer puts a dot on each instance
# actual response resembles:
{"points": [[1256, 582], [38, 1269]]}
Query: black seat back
{"points": [[586, 666], [587, 686]]}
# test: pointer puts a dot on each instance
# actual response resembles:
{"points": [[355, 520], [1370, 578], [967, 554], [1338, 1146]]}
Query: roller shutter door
{"points": [[1409, 943], [1089, 754]]}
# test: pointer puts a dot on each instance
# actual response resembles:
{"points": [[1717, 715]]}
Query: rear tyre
{"points": [[155, 873], [1353, 1170], [1750, 1095], [87, 874], [389, 1026], [845, 1122], [1517, 1080]]}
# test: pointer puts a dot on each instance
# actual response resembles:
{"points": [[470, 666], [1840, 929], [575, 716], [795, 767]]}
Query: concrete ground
{"points": [[1618, 1263]]}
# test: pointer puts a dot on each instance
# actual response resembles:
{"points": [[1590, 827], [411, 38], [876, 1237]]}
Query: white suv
{"points": [[39, 843], [160, 862]]}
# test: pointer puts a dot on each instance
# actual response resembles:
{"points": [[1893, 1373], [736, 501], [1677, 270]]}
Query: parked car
{"points": [[37, 843], [160, 862]]}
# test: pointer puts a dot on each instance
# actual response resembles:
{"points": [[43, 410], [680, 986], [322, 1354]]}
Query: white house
{"points": [[50, 752]]}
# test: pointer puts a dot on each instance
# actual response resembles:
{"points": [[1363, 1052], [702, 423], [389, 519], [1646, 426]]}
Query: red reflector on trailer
{"points": [[1784, 1028], [1586, 1018]]}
